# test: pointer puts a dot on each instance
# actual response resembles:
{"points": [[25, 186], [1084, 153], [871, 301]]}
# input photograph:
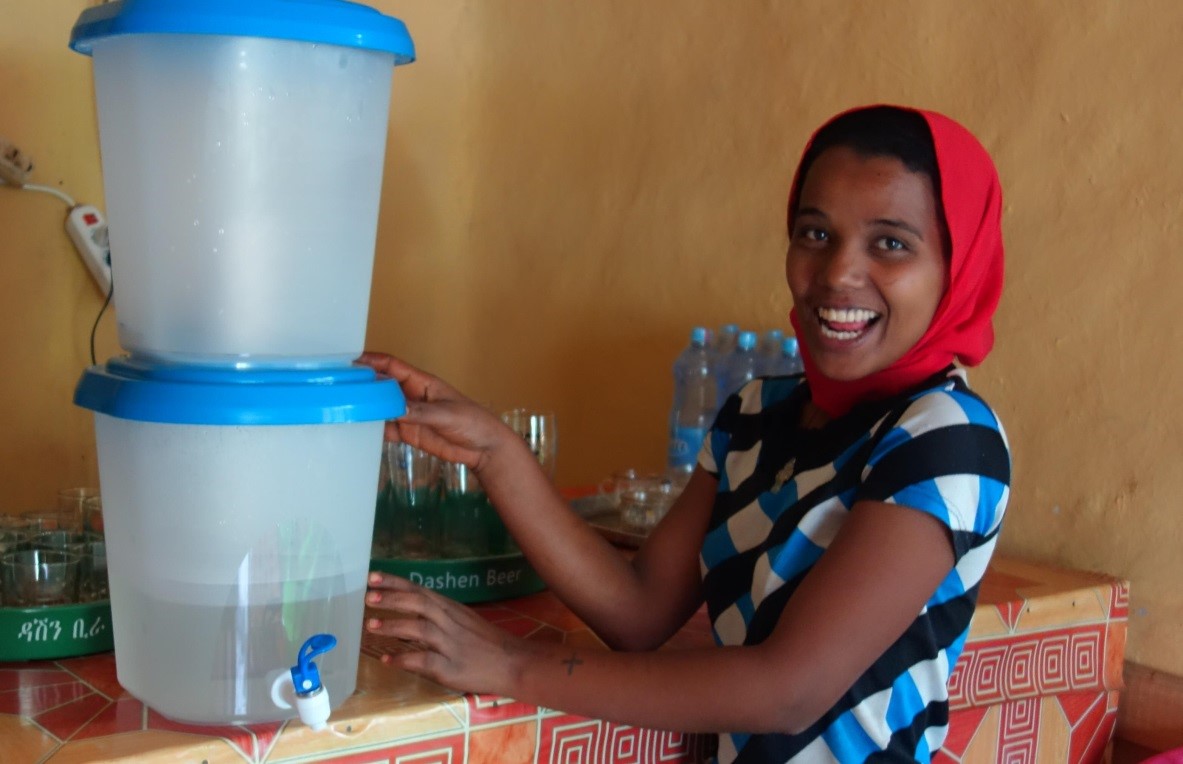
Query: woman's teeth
{"points": [[845, 323]]}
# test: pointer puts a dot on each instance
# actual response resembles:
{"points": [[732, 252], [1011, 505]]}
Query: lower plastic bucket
{"points": [[229, 545]]}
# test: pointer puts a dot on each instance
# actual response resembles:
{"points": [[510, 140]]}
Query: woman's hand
{"points": [[440, 419], [451, 644]]}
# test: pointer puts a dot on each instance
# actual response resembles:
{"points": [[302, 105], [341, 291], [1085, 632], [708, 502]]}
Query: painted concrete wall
{"points": [[571, 186]]}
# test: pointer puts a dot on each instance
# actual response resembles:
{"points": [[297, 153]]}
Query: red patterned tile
{"points": [[125, 714], [503, 744], [584, 639], [27, 665], [1018, 730], [64, 721], [1055, 669], [630, 745], [1087, 727], [98, 671], [963, 725], [547, 634], [566, 739], [438, 750], [1076, 705], [265, 736], [1119, 600], [485, 709], [546, 607], [15, 679], [984, 674], [519, 626], [30, 701], [494, 613]]}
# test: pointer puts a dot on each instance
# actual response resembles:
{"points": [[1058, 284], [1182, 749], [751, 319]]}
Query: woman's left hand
{"points": [[451, 644]]}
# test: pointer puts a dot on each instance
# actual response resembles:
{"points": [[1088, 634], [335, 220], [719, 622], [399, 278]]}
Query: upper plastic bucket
{"points": [[243, 144], [238, 511]]}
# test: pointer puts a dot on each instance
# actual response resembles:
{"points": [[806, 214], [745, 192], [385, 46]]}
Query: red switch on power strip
{"points": [[88, 231]]}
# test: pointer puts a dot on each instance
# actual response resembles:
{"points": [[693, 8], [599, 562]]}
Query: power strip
{"points": [[88, 231]]}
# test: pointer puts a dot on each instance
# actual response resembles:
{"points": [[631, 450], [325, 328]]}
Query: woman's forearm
{"points": [[577, 564]]}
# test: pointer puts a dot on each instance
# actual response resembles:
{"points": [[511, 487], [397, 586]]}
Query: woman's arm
{"points": [[635, 605], [879, 571]]}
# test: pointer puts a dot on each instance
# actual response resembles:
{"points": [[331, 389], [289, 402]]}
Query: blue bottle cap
{"points": [[333, 22], [747, 340], [698, 336]]}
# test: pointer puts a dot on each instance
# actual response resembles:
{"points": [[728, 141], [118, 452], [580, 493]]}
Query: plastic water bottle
{"points": [[722, 343], [695, 403], [769, 350], [789, 361], [740, 367]]}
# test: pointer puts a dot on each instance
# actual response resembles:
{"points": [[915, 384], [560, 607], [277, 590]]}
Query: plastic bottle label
{"points": [[684, 446]]}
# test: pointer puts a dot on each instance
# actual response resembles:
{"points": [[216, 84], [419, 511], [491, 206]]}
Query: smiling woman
{"points": [[836, 525]]}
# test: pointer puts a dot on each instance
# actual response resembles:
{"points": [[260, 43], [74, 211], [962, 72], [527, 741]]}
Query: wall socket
{"points": [[14, 165]]}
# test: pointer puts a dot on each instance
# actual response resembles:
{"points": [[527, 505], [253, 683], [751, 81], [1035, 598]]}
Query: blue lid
{"points": [[747, 340], [790, 347], [698, 337], [127, 388], [334, 22]]}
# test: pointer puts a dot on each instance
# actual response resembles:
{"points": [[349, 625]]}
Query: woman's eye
{"points": [[891, 243], [813, 234]]}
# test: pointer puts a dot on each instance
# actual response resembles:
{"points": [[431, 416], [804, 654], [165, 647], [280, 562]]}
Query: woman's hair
{"points": [[878, 131]]}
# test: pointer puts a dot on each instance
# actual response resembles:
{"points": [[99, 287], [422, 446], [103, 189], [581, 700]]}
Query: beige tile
{"points": [[392, 706], [983, 749], [1055, 733], [23, 740], [1063, 609], [987, 622], [135, 747]]}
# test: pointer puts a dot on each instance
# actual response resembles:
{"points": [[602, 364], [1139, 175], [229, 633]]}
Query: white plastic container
{"points": [[238, 510], [243, 146]]}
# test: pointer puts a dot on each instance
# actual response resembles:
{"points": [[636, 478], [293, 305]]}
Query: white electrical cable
{"points": [[45, 190]]}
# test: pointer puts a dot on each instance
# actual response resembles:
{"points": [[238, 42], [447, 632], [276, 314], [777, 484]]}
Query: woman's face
{"points": [[866, 264]]}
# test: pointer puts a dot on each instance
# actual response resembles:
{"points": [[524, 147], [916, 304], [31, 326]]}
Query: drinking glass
{"points": [[37, 577], [18, 524], [11, 541], [472, 527], [54, 520], [92, 514], [413, 495], [644, 502], [538, 429], [92, 572]]}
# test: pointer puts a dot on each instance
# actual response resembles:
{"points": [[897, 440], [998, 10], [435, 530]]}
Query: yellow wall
{"points": [[571, 186]]}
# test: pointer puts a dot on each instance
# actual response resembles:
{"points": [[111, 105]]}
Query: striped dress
{"points": [[783, 493]]}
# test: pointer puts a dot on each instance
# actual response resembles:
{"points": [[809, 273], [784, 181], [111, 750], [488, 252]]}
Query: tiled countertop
{"points": [[1037, 631]]}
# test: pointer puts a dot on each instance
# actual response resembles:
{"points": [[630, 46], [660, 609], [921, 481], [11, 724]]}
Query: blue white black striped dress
{"points": [[784, 492]]}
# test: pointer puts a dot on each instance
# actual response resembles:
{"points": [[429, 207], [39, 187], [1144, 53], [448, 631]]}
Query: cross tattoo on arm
{"points": [[571, 663]]}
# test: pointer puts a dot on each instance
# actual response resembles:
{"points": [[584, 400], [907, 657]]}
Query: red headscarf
{"points": [[962, 327]]}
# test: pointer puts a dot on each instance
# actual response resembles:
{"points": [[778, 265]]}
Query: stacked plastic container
{"points": [[243, 148]]}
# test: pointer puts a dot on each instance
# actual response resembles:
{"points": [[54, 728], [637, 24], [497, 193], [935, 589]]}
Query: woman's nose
{"points": [[844, 266]]}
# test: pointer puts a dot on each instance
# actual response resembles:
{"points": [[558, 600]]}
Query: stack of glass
{"points": [[243, 148], [429, 509]]}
